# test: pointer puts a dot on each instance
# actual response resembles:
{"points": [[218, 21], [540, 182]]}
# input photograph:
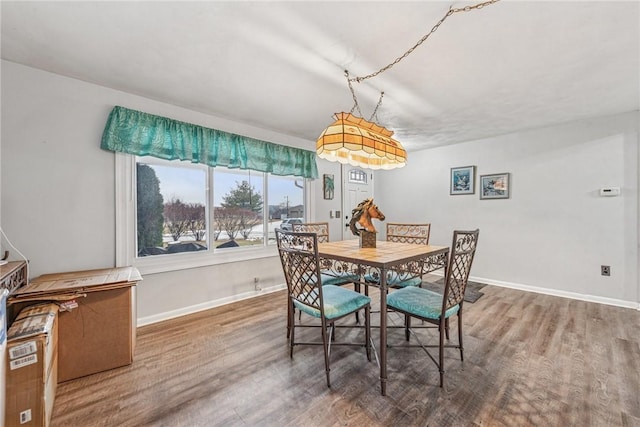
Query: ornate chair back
{"points": [[320, 228], [299, 257], [408, 233], [463, 249]]}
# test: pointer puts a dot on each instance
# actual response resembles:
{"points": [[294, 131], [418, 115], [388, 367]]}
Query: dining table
{"points": [[379, 264]]}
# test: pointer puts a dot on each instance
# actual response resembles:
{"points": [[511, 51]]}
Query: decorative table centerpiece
{"points": [[361, 216]]}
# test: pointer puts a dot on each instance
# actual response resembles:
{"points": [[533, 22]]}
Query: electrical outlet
{"points": [[256, 284], [605, 270]]}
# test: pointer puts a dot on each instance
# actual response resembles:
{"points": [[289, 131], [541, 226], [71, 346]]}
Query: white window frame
{"points": [[126, 237]]}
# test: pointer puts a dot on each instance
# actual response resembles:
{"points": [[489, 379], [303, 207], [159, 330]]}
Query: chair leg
{"points": [[407, 325], [367, 328], [325, 344], [289, 310], [292, 322], [441, 355], [356, 287], [446, 328], [460, 335]]}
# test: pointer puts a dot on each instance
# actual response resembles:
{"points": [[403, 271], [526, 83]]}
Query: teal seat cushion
{"points": [[331, 279], [394, 280], [337, 302], [420, 302], [339, 279]]}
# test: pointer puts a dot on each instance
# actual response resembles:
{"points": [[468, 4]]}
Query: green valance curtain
{"points": [[142, 134]]}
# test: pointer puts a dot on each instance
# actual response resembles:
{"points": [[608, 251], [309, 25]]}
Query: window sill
{"points": [[176, 262]]}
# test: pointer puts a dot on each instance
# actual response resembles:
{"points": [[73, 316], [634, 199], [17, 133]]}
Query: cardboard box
{"points": [[3, 349], [98, 335], [97, 319], [31, 367]]}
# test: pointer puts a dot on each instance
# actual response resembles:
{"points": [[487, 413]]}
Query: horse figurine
{"points": [[362, 214]]}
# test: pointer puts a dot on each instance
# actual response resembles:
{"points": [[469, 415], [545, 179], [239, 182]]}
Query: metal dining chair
{"points": [[306, 292], [403, 233], [329, 274], [320, 228], [408, 233], [435, 308], [334, 276]]}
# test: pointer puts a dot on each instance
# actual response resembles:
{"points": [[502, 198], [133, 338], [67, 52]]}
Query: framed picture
{"points": [[328, 186], [463, 180], [495, 186]]}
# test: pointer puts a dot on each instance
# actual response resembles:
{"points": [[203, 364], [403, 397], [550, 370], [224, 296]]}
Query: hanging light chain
{"points": [[450, 12], [353, 94], [355, 99], [375, 110]]}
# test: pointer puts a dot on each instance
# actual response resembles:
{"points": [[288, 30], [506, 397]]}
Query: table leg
{"points": [[383, 332]]}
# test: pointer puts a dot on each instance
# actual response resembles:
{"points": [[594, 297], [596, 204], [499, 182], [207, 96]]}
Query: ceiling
{"points": [[279, 65]]}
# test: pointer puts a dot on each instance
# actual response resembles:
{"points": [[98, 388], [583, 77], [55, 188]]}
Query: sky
{"points": [[189, 184]]}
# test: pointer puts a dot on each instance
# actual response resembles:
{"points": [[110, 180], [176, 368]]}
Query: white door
{"points": [[357, 185]]}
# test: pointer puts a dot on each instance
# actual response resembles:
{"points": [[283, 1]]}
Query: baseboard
{"points": [[554, 292], [143, 321]]}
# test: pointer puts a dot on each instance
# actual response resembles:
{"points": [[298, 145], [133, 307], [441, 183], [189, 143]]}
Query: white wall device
{"points": [[610, 191]]}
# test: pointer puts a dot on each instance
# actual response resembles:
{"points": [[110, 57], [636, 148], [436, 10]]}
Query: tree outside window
{"points": [[240, 211], [173, 210], [150, 203]]}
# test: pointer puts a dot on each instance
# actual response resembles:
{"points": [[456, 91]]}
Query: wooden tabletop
{"points": [[384, 255]]}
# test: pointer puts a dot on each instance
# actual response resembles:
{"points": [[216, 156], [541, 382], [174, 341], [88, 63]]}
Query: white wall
{"points": [[321, 206], [57, 199], [58, 189], [555, 231]]}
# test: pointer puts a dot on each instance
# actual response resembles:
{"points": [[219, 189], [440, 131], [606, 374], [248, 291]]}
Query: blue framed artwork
{"points": [[463, 180], [495, 186]]}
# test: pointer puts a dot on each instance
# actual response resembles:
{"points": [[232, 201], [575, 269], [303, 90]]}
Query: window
{"points": [[171, 207], [173, 214], [196, 212], [193, 210], [357, 176], [287, 196], [238, 212]]}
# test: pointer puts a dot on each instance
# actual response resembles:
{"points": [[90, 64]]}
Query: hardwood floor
{"points": [[530, 360]]}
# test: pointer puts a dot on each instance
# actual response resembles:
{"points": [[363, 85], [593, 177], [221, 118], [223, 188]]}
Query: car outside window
{"points": [[287, 224]]}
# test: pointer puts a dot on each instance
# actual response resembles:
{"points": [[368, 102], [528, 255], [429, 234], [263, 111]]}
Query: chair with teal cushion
{"points": [[403, 233], [320, 228], [394, 280], [408, 233], [435, 308], [329, 276], [306, 292]]}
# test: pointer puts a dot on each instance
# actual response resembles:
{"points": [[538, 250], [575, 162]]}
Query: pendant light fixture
{"points": [[353, 140], [358, 142]]}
